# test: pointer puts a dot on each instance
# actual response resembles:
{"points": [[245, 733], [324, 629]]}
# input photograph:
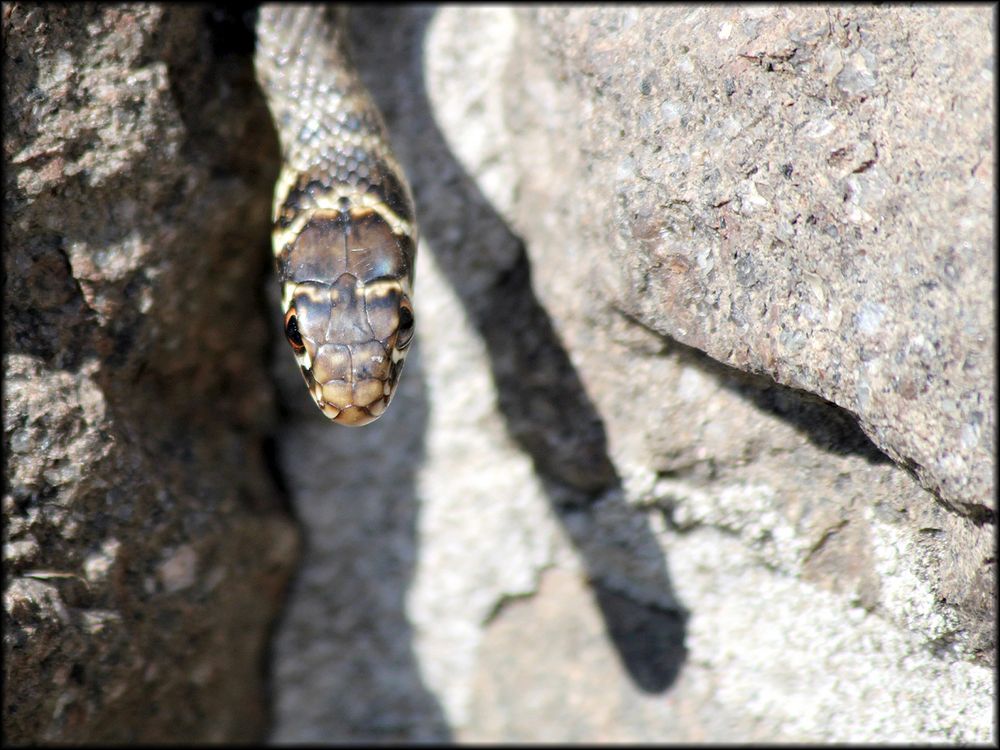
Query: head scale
{"points": [[348, 317]]}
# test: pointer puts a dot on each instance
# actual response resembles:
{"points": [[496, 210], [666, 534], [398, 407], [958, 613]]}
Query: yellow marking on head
{"points": [[315, 292], [380, 287], [287, 293], [286, 181], [303, 358], [328, 206]]}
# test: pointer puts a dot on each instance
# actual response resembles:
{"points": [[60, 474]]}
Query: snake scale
{"points": [[344, 231]]}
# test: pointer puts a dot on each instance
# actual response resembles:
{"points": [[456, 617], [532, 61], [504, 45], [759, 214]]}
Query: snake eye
{"points": [[292, 331], [405, 332]]}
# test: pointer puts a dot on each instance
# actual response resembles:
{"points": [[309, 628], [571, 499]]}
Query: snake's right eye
{"points": [[292, 331]]}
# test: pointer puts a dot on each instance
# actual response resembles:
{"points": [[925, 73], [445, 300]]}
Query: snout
{"points": [[352, 384]]}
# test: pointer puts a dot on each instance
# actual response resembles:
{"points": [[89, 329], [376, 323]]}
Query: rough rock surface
{"points": [[804, 193], [145, 545], [697, 438], [695, 443]]}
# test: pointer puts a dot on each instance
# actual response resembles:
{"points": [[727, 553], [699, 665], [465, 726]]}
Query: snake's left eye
{"points": [[405, 325], [292, 331]]}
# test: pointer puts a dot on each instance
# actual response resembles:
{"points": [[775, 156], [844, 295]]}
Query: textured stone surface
{"points": [[629, 490], [804, 193], [145, 550], [654, 471]]}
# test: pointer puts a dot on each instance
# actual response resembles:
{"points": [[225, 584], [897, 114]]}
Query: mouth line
{"points": [[321, 401], [353, 414]]}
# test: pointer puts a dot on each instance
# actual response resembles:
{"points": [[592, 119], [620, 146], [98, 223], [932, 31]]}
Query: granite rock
{"points": [[697, 440], [145, 544]]}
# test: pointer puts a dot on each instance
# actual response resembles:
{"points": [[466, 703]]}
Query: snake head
{"points": [[350, 339]]}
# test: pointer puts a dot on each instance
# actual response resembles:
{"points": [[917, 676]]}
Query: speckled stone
{"points": [[145, 545], [695, 441], [805, 193], [632, 488]]}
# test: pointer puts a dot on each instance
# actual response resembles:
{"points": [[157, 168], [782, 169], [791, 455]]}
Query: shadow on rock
{"points": [[541, 397], [344, 655], [829, 427]]}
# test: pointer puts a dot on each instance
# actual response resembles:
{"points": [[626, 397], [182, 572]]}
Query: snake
{"points": [[344, 230]]}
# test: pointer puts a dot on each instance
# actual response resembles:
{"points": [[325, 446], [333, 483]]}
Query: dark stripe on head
{"points": [[384, 184]]}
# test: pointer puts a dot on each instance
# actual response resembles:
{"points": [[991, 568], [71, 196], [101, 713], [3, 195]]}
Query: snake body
{"points": [[344, 232]]}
